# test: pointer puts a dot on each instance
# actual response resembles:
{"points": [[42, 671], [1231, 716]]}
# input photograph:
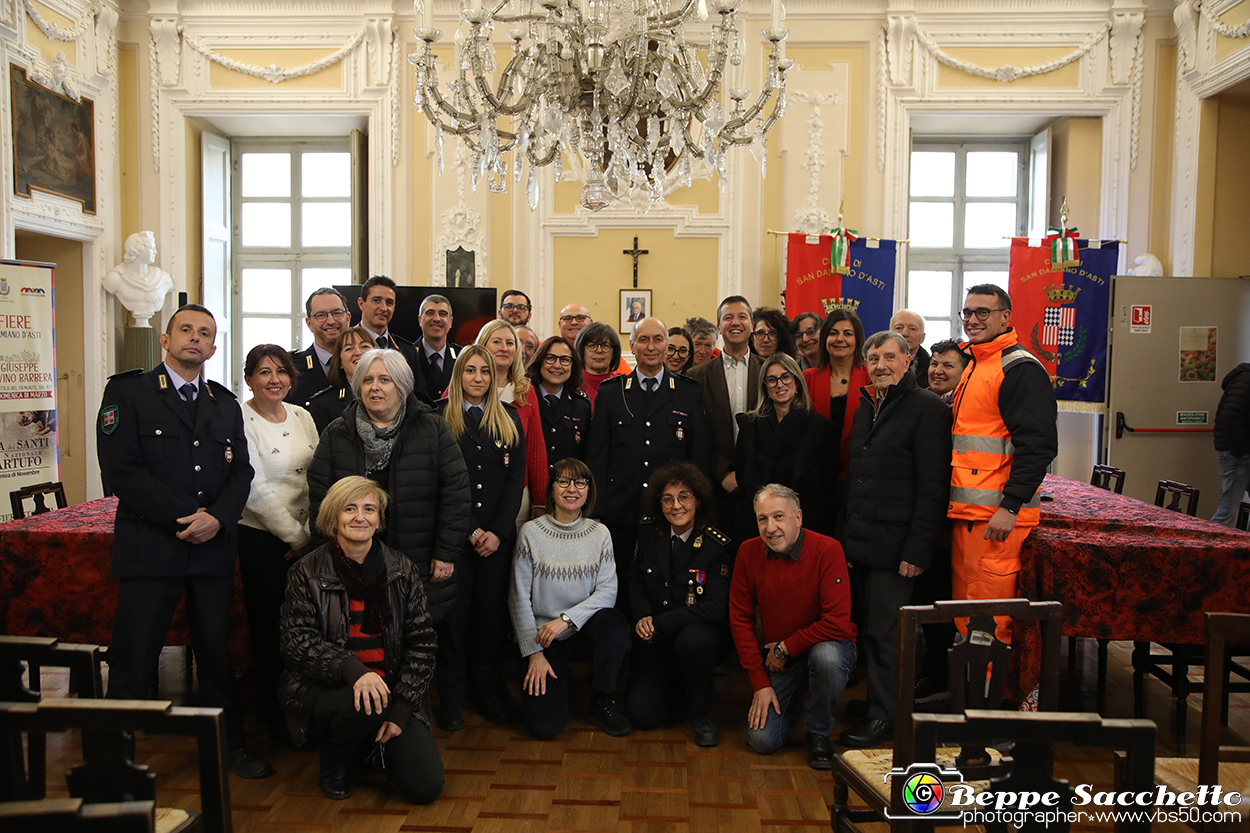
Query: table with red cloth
{"points": [[1126, 570], [54, 579]]}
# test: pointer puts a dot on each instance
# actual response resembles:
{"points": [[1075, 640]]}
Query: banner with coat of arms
{"points": [[867, 287], [1061, 316]]}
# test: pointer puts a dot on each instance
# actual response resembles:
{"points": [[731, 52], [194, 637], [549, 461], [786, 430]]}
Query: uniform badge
{"points": [[690, 593], [577, 437], [164, 380], [681, 435], [229, 454], [309, 362], [108, 419], [507, 459], [724, 570], [698, 542]]}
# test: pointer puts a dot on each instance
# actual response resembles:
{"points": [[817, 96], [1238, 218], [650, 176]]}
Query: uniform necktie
{"points": [[436, 363], [187, 392], [475, 415], [648, 389], [552, 400], [384, 342], [674, 544]]}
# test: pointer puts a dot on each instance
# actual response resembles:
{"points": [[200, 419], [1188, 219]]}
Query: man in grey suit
{"points": [[730, 385]]}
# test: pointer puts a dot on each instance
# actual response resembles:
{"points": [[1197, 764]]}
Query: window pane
{"points": [[988, 225], [992, 174], [313, 279], [267, 290], [326, 223], [267, 224], [929, 293], [932, 174], [326, 174], [266, 331], [932, 225], [266, 175], [975, 278], [936, 329]]}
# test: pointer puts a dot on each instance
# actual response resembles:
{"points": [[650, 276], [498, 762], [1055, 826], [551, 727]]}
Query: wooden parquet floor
{"points": [[500, 780]]}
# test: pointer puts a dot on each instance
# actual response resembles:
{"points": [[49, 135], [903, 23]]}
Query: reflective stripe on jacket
{"points": [[982, 452]]}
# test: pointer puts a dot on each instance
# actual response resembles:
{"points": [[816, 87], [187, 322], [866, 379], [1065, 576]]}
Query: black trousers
{"points": [[934, 585], [412, 763], [473, 637], [262, 567], [145, 609], [882, 593], [605, 635], [656, 668], [624, 544]]}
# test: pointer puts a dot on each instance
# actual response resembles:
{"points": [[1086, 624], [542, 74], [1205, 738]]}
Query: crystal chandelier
{"points": [[615, 84]]}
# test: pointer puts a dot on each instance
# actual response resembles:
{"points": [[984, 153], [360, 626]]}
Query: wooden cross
{"points": [[635, 252]]}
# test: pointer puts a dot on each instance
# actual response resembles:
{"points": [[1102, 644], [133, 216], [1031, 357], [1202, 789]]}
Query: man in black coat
{"points": [[641, 421], [436, 356], [377, 308], [894, 517], [910, 326], [325, 316], [172, 449], [1232, 442]]}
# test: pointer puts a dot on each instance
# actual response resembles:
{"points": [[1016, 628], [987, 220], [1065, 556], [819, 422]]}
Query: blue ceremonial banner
{"points": [[1061, 316], [870, 282]]}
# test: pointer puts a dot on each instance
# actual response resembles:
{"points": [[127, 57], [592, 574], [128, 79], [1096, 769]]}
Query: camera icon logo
{"points": [[924, 786]]}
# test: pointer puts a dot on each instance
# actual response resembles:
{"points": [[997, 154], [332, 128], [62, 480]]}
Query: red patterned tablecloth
{"points": [[1128, 570], [54, 579]]}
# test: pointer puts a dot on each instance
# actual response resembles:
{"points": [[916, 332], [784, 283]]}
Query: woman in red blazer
{"points": [[839, 372]]}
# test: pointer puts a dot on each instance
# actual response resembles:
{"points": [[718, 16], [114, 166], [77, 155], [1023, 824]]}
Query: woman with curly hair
{"points": [[771, 333]]}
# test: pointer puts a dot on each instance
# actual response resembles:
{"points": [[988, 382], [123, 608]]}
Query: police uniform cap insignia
{"points": [[108, 419], [164, 381]]}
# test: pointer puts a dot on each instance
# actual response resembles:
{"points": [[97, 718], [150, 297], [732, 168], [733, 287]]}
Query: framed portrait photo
{"points": [[635, 305], [53, 142]]}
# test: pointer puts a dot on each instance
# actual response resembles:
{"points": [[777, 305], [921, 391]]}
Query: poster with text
{"points": [[29, 451]]}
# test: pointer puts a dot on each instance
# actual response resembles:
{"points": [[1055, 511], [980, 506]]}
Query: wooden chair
{"points": [[1104, 475], [107, 774], [1031, 765], [1243, 516], [1173, 491], [1228, 766], [37, 493], [978, 679], [73, 815]]}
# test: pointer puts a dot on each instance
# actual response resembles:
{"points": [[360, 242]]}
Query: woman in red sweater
{"points": [[839, 374]]}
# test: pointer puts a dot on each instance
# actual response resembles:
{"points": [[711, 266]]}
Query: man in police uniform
{"points": [[326, 316], [435, 353], [641, 421], [172, 449]]}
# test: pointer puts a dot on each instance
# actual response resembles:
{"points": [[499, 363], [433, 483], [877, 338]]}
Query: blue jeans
{"points": [[824, 671], [1234, 478]]}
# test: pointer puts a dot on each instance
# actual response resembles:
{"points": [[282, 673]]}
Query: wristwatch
{"points": [[779, 652], [568, 620]]}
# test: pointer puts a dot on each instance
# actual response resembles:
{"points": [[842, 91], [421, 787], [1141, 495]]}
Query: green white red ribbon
{"points": [[840, 251], [1063, 251]]}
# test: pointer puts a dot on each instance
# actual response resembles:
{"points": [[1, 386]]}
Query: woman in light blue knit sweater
{"points": [[564, 586]]}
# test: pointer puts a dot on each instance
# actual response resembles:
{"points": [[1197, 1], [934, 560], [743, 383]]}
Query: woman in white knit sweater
{"points": [[564, 586], [273, 531]]}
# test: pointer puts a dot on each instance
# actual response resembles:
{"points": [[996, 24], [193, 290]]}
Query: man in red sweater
{"points": [[798, 582]]}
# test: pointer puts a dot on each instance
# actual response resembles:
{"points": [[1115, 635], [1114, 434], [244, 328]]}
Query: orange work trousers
{"points": [[982, 569]]}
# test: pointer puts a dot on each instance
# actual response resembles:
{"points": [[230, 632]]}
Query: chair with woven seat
{"points": [[1172, 491], [978, 679], [37, 493], [1030, 767], [1103, 477], [1226, 765]]}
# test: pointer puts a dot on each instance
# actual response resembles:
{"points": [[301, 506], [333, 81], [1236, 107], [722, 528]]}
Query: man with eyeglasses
{"points": [[1005, 438], [530, 341], [325, 316], [894, 516], [515, 308], [573, 319]]}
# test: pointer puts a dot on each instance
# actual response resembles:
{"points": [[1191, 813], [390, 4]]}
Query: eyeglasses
{"points": [[569, 319], [563, 361], [336, 314], [809, 332], [679, 352], [670, 500], [784, 380], [981, 313], [599, 347], [579, 483], [515, 308], [765, 335]]}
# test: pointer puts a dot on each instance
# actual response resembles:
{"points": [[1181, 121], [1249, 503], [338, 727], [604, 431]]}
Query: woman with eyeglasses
{"points": [[806, 331], [564, 587], [599, 348], [839, 371], [770, 333], [679, 356], [783, 440], [500, 340], [473, 639], [327, 405], [563, 406], [679, 593]]}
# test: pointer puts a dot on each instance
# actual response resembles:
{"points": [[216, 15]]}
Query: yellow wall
{"points": [[992, 57], [128, 139], [422, 175], [227, 79], [1076, 172], [1235, 16], [1229, 255], [1160, 241], [48, 48]]}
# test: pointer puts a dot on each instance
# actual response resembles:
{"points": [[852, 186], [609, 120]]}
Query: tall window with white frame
{"points": [[967, 200], [292, 234]]}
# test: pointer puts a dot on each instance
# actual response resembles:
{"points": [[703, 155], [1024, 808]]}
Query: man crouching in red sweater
{"points": [[797, 580]]}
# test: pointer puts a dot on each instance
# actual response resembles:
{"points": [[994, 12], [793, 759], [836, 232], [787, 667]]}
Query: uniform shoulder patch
{"points": [[579, 393], [718, 536], [218, 387], [108, 419], [126, 374], [648, 519]]}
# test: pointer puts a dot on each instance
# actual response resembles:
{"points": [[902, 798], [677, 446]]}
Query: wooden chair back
{"points": [[1031, 765], [1104, 475], [1221, 629], [1243, 516], [1172, 491], [73, 815], [37, 492]]}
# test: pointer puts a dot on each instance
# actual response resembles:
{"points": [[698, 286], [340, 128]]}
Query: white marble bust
{"points": [[137, 283]]}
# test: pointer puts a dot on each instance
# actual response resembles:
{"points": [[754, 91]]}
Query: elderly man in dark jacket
{"points": [[1232, 441], [898, 481]]}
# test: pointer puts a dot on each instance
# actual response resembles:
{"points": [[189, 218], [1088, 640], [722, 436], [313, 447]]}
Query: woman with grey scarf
{"points": [[394, 439]]}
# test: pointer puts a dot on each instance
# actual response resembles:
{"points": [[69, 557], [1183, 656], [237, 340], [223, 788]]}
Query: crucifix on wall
{"points": [[635, 252]]}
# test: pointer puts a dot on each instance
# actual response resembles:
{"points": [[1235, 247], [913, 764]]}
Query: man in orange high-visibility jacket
{"points": [[1003, 439]]}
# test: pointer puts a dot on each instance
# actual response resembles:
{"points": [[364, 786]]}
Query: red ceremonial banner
{"points": [[809, 279]]}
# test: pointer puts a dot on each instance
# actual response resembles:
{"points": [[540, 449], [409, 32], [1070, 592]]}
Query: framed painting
{"points": [[53, 142], [635, 305]]}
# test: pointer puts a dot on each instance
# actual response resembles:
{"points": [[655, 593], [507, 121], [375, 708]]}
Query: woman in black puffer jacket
{"points": [[394, 439]]}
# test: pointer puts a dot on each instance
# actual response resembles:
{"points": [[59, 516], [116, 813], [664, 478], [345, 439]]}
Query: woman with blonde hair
{"points": [[500, 340], [473, 638]]}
